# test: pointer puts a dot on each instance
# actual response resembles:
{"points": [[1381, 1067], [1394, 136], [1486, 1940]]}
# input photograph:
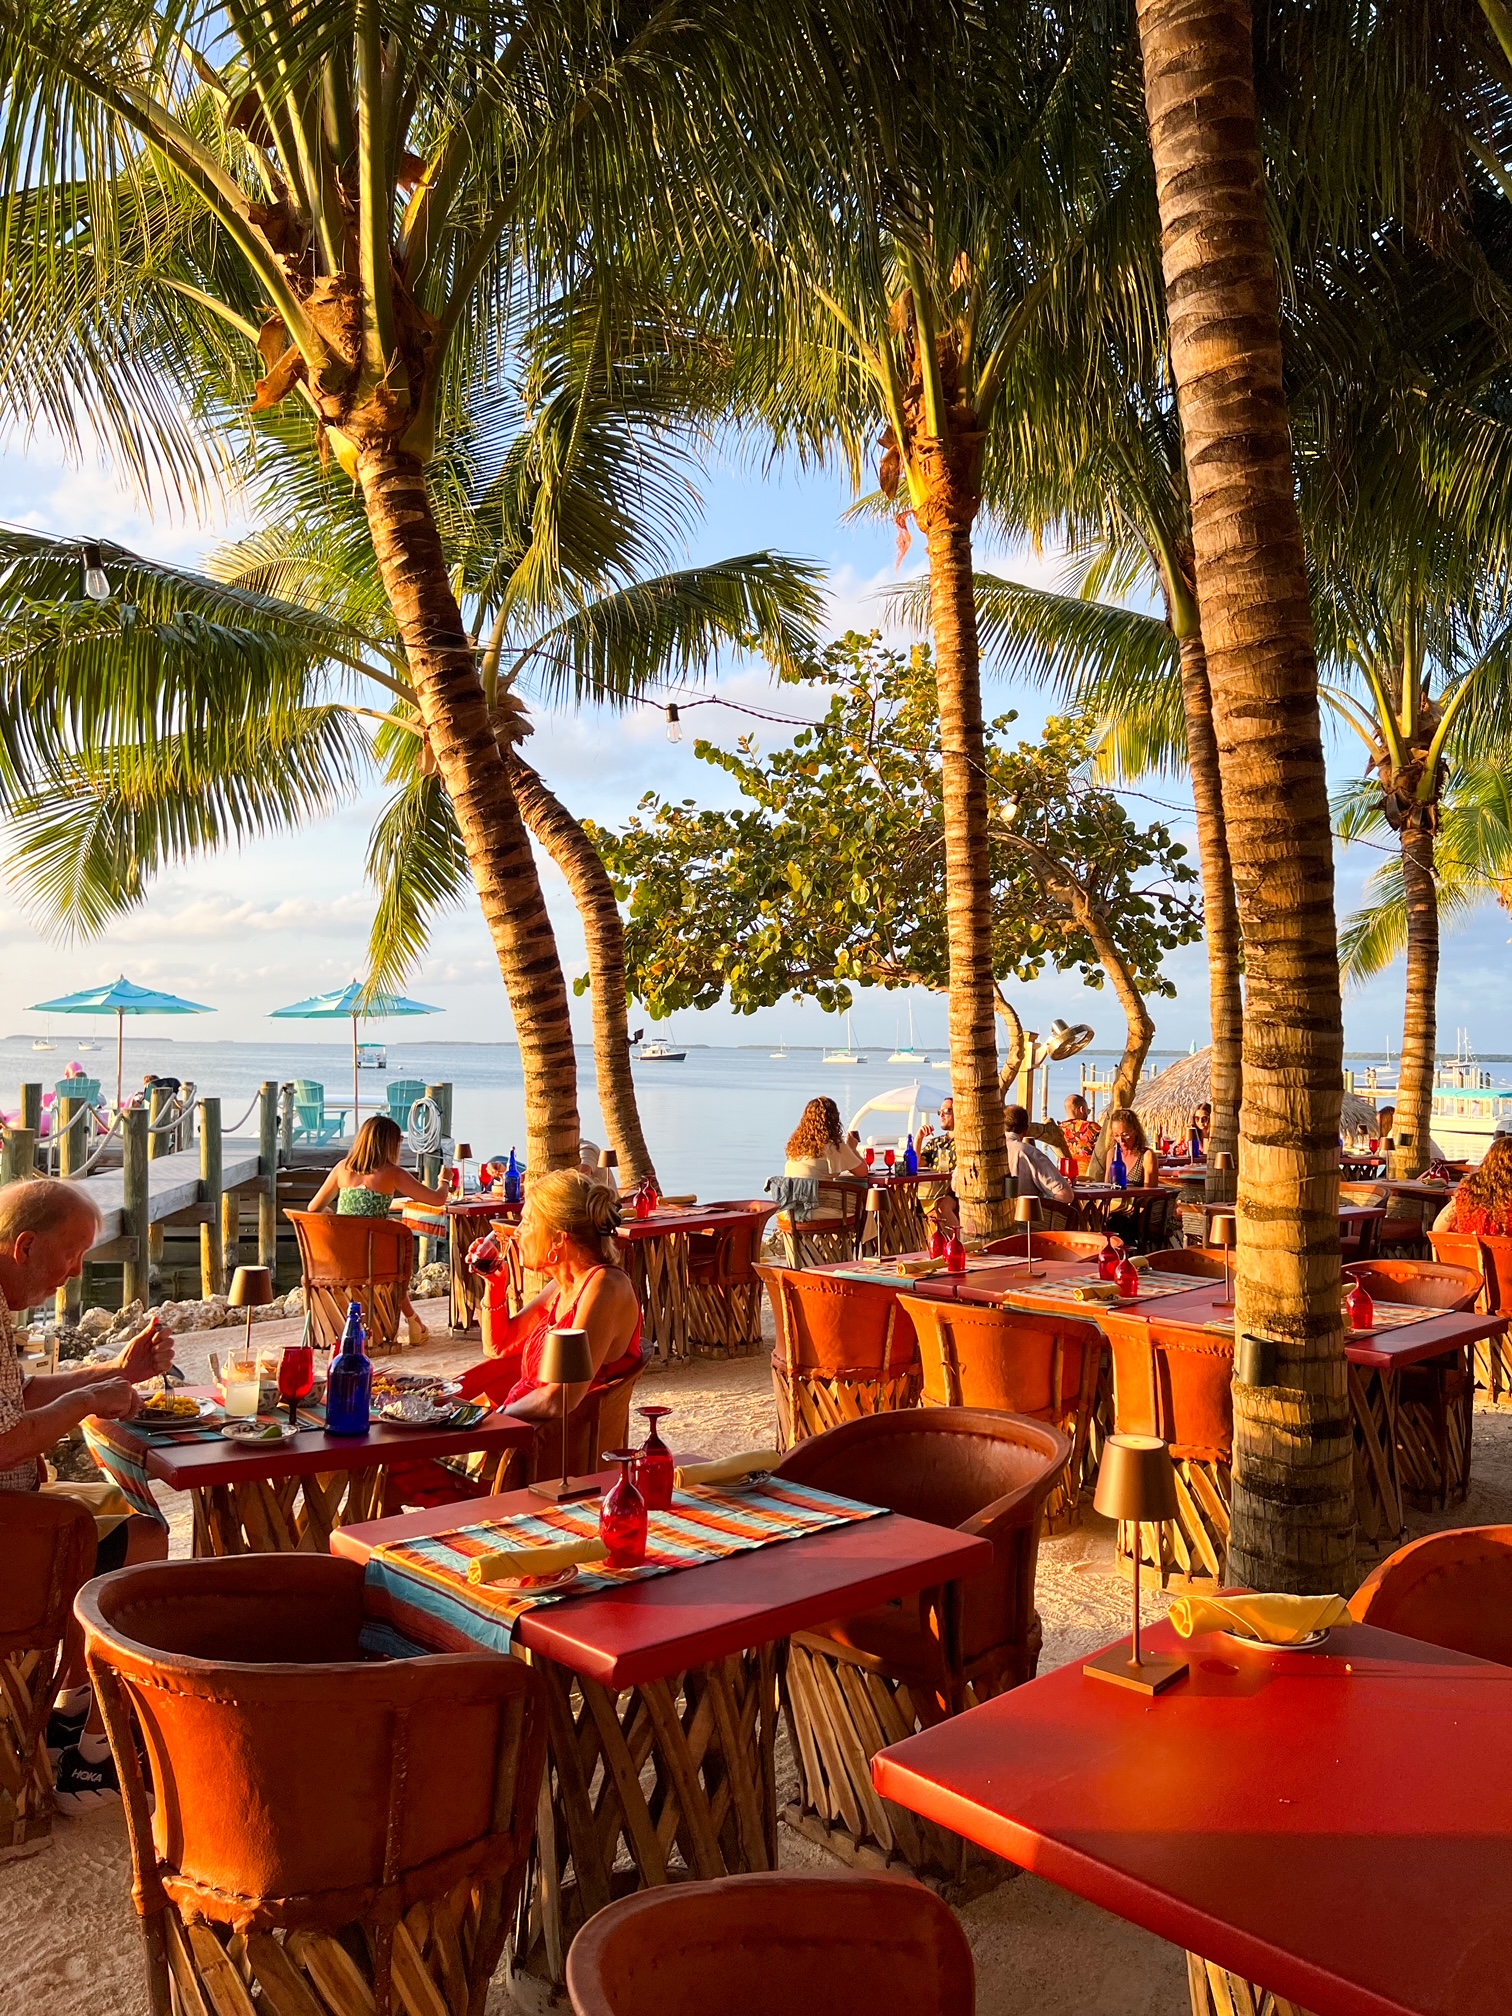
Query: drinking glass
{"points": [[622, 1513], [296, 1377], [241, 1386], [654, 1468], [889, 1157]]}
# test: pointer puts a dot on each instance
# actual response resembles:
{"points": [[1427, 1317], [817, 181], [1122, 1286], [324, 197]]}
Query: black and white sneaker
{"points": [[63, 1732], [80, 1786]]}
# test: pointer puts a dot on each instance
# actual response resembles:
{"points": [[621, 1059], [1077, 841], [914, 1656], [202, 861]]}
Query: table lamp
{"points": [[608, 1159], [251, 1288], [872, 1211], [566, 1360], [1223, 1159], [1135, 1483], [1225, 1233], [1026, 1212]]}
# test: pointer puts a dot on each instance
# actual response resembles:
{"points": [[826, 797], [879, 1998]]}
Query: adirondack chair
{"points": [[87, 1089], [402, 1094], [312, 1122]]}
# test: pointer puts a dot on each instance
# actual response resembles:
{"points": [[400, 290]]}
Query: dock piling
{"points": [[267, 1169], [135, 1207], [212, 1251], [18, 1156], [68, 1132]]}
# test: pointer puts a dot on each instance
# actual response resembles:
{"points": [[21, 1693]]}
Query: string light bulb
{"points": [[96, 581], [674, 724]]}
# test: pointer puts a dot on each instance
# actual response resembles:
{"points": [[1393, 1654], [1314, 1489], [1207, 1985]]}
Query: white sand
{"points": [[68, 1939]]}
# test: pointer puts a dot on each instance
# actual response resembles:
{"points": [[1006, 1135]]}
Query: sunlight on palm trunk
{"points": [[1293, 1505], [1220, 915], [1414, 1101]]}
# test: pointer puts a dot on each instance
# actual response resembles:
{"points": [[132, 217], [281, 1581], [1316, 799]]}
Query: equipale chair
{"points": [[1451, 1589], [1435, 1400], [1490, 1255], [844, 1349], [48, 1546], [724, 1287], [366, 1260], [1203, 1262], [1050, 1245]]}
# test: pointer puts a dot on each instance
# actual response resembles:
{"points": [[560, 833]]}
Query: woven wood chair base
{"points": [[1216, 1992], [903, 1226], [443, 1954], [286, 1515], [813, 1242], [673, 1779], [840, 1715], [1493, 1371], [1374, 1410], [26, 1793], [811, 1403], [724, 1322], [1190, 1550], [383, 1313]]}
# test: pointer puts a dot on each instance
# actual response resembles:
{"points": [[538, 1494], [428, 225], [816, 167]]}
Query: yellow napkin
{"points": [[1095, 1291], [727, 1469], [512, 1562], [1275, 1620]]}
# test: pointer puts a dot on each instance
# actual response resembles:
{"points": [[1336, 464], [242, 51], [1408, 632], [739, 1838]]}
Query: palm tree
{"points": [[1293, 1505]]}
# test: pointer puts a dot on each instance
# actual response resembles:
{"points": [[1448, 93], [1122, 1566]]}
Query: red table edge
{"points": [[494, 1432]]}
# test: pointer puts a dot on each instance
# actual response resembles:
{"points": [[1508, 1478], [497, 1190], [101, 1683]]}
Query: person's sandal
{"points": [[418, 1332]]}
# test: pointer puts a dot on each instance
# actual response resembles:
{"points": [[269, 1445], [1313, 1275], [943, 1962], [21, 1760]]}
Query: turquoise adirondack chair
{"points": [[402, 1094], [87, 1089], [312, 1120]]}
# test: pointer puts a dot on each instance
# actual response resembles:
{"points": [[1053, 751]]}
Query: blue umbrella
{"points": [[120, 998], [352, 1001]]}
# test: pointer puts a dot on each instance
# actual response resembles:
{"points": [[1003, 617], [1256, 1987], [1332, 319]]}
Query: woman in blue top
{"points": [[366, 1182]]}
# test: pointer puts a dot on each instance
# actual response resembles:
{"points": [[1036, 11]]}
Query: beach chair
{"points": [[332, 1831], [746, 1945], [87, 1089], [312, 1122], [48, 1545], [402, 1094], [366, 1260]]}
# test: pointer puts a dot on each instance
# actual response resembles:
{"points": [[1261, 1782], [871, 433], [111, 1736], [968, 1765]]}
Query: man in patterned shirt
{"points": [[46, 1228]]}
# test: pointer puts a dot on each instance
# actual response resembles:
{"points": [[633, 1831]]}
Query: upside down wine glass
{"points": [[622, 1513], [655, 1469]]}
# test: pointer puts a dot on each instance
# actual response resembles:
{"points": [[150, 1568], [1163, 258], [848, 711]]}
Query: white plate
{"points": [[443, 1419], [1308, 1644], [254, 1435], [531, 1585]]}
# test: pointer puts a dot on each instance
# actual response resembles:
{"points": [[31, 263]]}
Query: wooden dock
{"points": [[175, 1193]]}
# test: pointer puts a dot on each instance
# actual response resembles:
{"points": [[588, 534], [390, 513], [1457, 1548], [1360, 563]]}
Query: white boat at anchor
{"points": [[1468, 1110], [659, 1051], [909, 1052], [850, 1054]]}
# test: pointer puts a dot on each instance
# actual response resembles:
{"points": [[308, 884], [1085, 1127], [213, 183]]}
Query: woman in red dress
{"points": [[1483, 1202]]}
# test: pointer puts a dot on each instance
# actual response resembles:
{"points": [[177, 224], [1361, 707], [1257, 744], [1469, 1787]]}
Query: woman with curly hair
{"points": [[1483, 1202], [817, 1146]]}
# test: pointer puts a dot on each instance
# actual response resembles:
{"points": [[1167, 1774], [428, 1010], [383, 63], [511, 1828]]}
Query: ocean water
{"points": [[717, 1123]]}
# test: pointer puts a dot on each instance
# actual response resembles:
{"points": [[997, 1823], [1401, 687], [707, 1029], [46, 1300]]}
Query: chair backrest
{"points": [[746, 1945], [429, 1768], [1490, 1254], [827, 1324], [730, 1252], [1205, 1262], [1003, 1358], [1433, 1284], [87, 1089], [48, 1547], [402, 1094], [1368, 1194], [1052, 1245], [366, 1260], [1451, 1589], [1173, 1382], [309, 1092]]}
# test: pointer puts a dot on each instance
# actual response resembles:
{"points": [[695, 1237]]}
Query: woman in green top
{"points": [[366, 1182]]}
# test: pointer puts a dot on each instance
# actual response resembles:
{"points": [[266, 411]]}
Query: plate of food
{"points": [[158, 1407], [389, 1386], [255, 1434], [424, 1410]]}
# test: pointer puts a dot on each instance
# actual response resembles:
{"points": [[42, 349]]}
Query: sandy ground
{"points": [[68, 1939]]}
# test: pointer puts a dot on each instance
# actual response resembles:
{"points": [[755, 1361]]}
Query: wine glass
{"points": [[622, 1513], [654, 1467], [296, 1377], [889, 1157]]}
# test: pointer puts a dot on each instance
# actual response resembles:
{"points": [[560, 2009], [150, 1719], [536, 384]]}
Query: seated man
{"points": [[46, 1228], [1030, 1169]]}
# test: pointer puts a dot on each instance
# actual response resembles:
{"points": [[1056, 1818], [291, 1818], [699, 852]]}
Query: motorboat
{"points": [[372, 1057], [1468, 1109], [659, 1051]]}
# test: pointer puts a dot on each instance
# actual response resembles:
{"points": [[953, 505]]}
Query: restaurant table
{"points": [[1336, 1825], [1096, 1200], [680, 1314], [678, 1673], [902, 1224], [296, 1494], [1421, 1189], [469, 1219]]}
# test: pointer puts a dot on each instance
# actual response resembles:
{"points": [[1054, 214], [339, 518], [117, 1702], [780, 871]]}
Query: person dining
{"points": [[1127, 1136], [1030, 1170], [365, 1183], [817, 1147], [1483, 1202], [1079, 1129]]}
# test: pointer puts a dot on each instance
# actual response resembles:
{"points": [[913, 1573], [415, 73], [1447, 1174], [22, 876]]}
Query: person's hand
{"points": [[148, 1354], [113, 1399]]}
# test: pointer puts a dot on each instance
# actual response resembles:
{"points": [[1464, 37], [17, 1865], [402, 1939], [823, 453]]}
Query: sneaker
{"points": [[63, 1732], [81, 1786]]}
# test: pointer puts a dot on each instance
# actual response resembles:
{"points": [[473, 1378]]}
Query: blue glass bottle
{"points": [[1119, 1167], [911, 1157], [349, 1382], [512, 1180]]}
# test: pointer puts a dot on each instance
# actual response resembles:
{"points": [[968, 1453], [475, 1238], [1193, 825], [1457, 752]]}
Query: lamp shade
{"points": [[873, 1200], [608, 1159], [1224, 1230], [1026, 1210], [567, 1358], [1135, 1479], [1223, 1159], [251, 1288], [464, 1151]]}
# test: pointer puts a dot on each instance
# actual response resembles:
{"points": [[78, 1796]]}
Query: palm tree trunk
{"points": [[461, 736], [574, 853], [1293, 1504], [1220, 915], [1414, 1103], [981, 1140]]}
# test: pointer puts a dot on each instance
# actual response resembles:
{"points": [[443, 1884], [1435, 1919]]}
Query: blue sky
{"points": [[288, 916]]}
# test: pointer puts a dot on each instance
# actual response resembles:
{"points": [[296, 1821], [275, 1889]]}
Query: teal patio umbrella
{"points": [[120, 998], [351, 1001]]}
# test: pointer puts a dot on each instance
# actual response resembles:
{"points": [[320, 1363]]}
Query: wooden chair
{"points": [[828, 1233], [724, 1288], [1148, 1214], [747, 1945], [332, 1832], [844, 1349], [366, 1260], [1059, 1245], [1436, 1400], [48, 1546], [1015, 1362], [1423, 1283], [311, 1120], [401, 1094], [1205, 1263], [1172, 1382], [865, 1681], [1490, 1255], [1451, 1589]]}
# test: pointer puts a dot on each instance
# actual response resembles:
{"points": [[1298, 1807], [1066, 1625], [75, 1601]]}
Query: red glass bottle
{"points": [[654, 1466], [622, 1514], [955, 1255], [1127, 1277], [1107, 1261], [1359, 1308]]}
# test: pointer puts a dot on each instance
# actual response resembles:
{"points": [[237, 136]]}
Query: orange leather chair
{"points": [[746, 1945], [845, 1349], [1451, 1589], [1423, 1283], [1436, 1400], [1176, 1383], [1051, 1245], [724, 1288], [1204, 1263], [1014, 1362], [1490, 1255], [48, 1548], [377, 1813], [366, 1260]]}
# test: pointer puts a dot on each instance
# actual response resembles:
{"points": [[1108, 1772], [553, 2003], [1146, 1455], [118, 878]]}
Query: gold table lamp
{"points": [[566, 1360], [251, 1288], [1026, 1212], [1225, 1233], [1136, 1483]]}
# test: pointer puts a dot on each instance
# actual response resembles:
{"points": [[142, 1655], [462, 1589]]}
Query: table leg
{"points": [[286, 1516], [1216, 1992], [1377, 1470], [659, 1270], [644, 1786]]}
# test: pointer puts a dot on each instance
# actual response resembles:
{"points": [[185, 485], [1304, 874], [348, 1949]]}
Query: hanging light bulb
{"points": [[96, 581], [674, 724]]}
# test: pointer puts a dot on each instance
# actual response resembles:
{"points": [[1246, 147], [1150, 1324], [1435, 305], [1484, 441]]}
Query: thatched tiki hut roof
{"points": [[1165, 1103]]}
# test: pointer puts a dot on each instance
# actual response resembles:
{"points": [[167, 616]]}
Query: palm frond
{"points": [[418, 864]]}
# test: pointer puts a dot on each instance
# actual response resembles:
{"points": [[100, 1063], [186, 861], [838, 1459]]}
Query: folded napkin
{"points": [[727, 1469], [1094, 1291], [510, 1563], [1274, 1620]]}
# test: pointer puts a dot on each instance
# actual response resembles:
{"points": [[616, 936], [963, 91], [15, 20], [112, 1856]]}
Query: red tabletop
{"points": [[668, 1219], [650, 1630], [1336, 1826]]}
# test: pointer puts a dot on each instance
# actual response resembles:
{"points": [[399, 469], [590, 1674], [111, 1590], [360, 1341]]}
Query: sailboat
{"points": [[909, 1053], [44, 1042], [780, 1054], [849, 1055]]}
